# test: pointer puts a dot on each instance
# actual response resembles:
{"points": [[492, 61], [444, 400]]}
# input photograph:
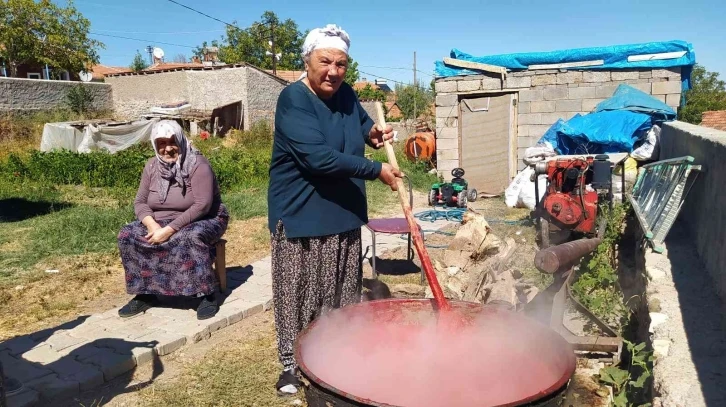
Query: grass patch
{"points": [[242, 373], [247, 203], [417, 172], [35, 300]]}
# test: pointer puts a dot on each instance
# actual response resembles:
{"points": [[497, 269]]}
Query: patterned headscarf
{"points": [[330, 36], [178, 170]]}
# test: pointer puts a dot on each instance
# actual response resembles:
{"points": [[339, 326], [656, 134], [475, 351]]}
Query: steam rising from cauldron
{"points": [[408, 360]]}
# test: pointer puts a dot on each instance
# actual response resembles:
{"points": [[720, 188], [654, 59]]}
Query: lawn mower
{"points": [[575, 188], [454, 193]]}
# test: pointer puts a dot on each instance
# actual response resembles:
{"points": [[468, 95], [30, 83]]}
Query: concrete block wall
{"points": [[136, 94], [543, 97], [204, 89], [704, 211], [27, 95], [262, 94]]}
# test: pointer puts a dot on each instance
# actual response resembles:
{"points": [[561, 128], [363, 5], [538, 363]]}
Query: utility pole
{"points": [[150, 50], [415, 89]]}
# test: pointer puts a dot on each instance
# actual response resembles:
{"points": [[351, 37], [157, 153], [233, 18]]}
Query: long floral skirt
{"points": [[181, 266], [309, 276]]}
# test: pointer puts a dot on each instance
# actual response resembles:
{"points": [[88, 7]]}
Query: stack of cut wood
{"points": [[474, 267]]}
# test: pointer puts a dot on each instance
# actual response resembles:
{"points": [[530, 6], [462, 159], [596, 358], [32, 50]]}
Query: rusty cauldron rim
{"points": [[456, 304]]}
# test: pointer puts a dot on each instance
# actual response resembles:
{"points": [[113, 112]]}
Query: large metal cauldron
{"points": [[543, 392]]}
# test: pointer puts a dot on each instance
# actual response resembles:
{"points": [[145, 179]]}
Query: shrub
{"points": [[238, 166], [79, 99]]}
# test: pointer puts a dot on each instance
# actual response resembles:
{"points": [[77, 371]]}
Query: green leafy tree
{"points": [[407, 94], [138, 64], [44, 33], [707, 93], [371, 93], [80, 99], [250, 45], [352, 75]]}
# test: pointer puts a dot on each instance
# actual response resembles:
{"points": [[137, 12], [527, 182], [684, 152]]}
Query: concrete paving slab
{"points": [[88, 378], [52, 386], [63, 340], [22, 370], [18, 345], [167, 342], [26, 398], [110, 363]]}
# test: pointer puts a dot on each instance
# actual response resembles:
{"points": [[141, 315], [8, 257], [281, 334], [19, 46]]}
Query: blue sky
{"points": [[385, 34]]}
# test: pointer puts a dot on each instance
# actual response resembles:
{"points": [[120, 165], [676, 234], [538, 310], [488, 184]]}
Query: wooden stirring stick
{"points": [[418, 242]]}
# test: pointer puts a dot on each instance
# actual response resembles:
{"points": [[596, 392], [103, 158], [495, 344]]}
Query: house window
{"points": [[65, 76], [33, 75]]}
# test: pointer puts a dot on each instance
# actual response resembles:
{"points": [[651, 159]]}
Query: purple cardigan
{"points": [[202, 196]]}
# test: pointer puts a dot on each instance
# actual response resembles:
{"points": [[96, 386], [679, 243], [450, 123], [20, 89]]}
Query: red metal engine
{"points": [[568, 202]]}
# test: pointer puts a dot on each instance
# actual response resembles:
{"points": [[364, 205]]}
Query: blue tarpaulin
{"points": [[635, 100], [598, 133], [617, 124], [614, 57]]}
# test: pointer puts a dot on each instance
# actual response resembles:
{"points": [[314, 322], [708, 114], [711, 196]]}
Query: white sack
{"points": [[539, 152], [526, 195], [649, 150], [511, 194]]}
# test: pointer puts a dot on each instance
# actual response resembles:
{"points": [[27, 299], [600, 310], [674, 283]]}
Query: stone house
{"points": [[205, 88], [486, 120]]}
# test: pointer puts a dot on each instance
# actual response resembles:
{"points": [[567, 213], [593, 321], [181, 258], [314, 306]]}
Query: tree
{"points": [[250, 45], [352, 75], [139, 63], [406, 94], [44, 33], [180, 58], [707, 93], [369, 93]]}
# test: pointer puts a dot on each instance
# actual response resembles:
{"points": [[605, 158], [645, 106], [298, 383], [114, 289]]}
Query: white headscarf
{"points": [[330, 36], [178, 170]]}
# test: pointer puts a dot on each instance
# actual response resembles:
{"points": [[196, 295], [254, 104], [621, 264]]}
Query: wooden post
{"points": [[423, 255], [220, 265]]}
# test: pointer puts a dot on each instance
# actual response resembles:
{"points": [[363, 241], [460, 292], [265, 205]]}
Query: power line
{"points": [[142, 40], [208, 16], [160, 33], [396, 67], [381, 77], [202, 13]]}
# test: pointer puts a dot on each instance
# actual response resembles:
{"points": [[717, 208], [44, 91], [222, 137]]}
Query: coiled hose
{"points": [[451, 215]]}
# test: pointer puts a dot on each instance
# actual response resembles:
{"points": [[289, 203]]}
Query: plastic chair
{"points": [[397, 226]]}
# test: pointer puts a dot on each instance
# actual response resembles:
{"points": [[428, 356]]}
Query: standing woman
{"points": [[317, 197]]}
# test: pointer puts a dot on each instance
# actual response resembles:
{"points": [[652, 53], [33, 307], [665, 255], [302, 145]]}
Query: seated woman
{"points": [[168, 250]]}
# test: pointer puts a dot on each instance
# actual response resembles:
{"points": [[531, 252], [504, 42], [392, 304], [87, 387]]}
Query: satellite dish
{"points": [[85, 76], [158, 53]]}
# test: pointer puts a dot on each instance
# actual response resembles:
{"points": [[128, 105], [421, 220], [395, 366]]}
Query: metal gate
{"points": [[486, 147]]}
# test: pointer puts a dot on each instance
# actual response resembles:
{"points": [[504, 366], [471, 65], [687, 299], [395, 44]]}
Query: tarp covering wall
{"points": [[635, 100], [618, 124], [614, 57], [107, 137]]}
